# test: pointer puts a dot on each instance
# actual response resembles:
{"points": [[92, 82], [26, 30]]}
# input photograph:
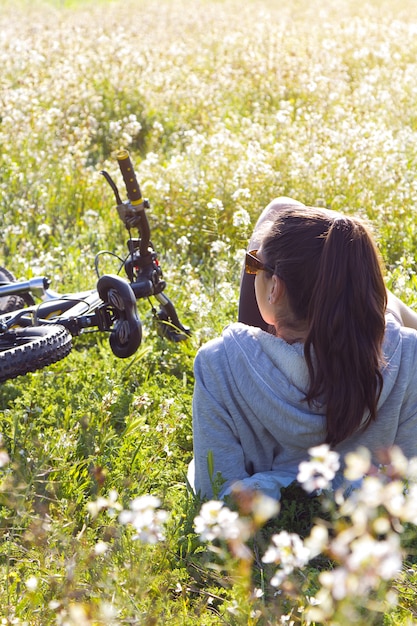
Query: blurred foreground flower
{"points": [[357, 464], [31, 583], [4, 457], [363, 570], [217, 521], [288, 551], [109, 504], [146, 519], [319, 471]]}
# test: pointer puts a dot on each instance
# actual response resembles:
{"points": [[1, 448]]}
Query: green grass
{"points": [[223, 106]]}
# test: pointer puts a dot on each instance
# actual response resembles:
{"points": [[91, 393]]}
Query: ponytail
{"points": [[346, 330], [332, 272]]}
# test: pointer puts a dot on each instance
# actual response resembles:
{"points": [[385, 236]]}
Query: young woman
{"points": [[317, 356]]}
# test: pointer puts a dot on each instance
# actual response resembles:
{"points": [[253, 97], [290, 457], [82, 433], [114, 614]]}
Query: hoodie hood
{"points": [[272, 376], [271, 359], [281, 368], [392, 350]]}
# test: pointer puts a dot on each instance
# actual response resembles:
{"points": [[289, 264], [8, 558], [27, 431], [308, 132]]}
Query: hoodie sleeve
{"points": [[406, 436], [397, 412], [219, 459], [217, 449]]}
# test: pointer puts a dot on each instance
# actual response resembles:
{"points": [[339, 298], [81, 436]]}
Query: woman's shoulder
{"points": [[212, 358], [234, 332], [395, 328], [237, 342], [400, 342]]}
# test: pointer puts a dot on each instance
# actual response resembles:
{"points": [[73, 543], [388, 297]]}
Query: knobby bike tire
{"points": [[24, 350], [13, 302]]}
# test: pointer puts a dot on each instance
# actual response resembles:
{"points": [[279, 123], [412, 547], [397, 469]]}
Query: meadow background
{"points": [[223, 105]]}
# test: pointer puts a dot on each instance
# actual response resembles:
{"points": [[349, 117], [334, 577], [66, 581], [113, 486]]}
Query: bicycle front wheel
{"points": [[13, 302], [28, 349]]}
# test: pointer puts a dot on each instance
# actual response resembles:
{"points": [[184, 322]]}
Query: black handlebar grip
{"points": [[129, 177]]}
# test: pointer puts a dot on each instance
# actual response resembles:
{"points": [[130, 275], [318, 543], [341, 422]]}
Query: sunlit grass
{"points": [[223, 106]]}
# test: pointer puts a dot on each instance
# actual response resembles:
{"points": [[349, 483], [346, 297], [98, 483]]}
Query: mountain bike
{"points": [[37, 324]]}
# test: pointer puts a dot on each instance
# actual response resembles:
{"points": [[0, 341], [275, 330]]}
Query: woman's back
{"points": [[251, 388]]}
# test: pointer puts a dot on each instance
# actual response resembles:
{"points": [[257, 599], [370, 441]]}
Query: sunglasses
{"points": [[253, 265]]}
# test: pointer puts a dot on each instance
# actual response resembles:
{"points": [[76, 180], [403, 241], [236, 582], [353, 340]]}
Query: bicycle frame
{"points": [[76, 311]]}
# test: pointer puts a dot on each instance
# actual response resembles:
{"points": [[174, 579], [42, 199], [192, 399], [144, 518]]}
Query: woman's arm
{"points": [[248, 312], [218, 454], [402, 312]]}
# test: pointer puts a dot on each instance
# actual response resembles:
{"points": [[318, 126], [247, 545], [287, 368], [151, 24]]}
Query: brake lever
{"points": [[128, 213], [113, 186]]}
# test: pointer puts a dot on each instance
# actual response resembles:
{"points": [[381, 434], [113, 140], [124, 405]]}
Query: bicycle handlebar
{"points": [[132, 212], [130, 180]]}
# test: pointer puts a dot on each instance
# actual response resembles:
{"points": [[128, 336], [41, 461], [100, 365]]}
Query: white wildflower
{"points": [[317, 541], [319, 471], [215, 204], [409, 510], [183, 242], [4, 458], [398, 461], [218, 246], [288, 551], [357, 464], [242, 192], [110, 504], [101, 547], [372, 560], [31, 583], [146, 519], [217, 521], [44, 230], [264, 508], [241, 218], [339, 582], [412, 469]]}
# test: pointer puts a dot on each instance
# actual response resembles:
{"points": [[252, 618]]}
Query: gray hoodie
{"points": [[251, 419]]}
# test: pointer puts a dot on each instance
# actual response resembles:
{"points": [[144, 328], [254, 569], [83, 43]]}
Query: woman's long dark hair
{"points": [[332, 272]]}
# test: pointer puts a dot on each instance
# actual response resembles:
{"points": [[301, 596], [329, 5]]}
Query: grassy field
{"points": [[223, 105]]}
